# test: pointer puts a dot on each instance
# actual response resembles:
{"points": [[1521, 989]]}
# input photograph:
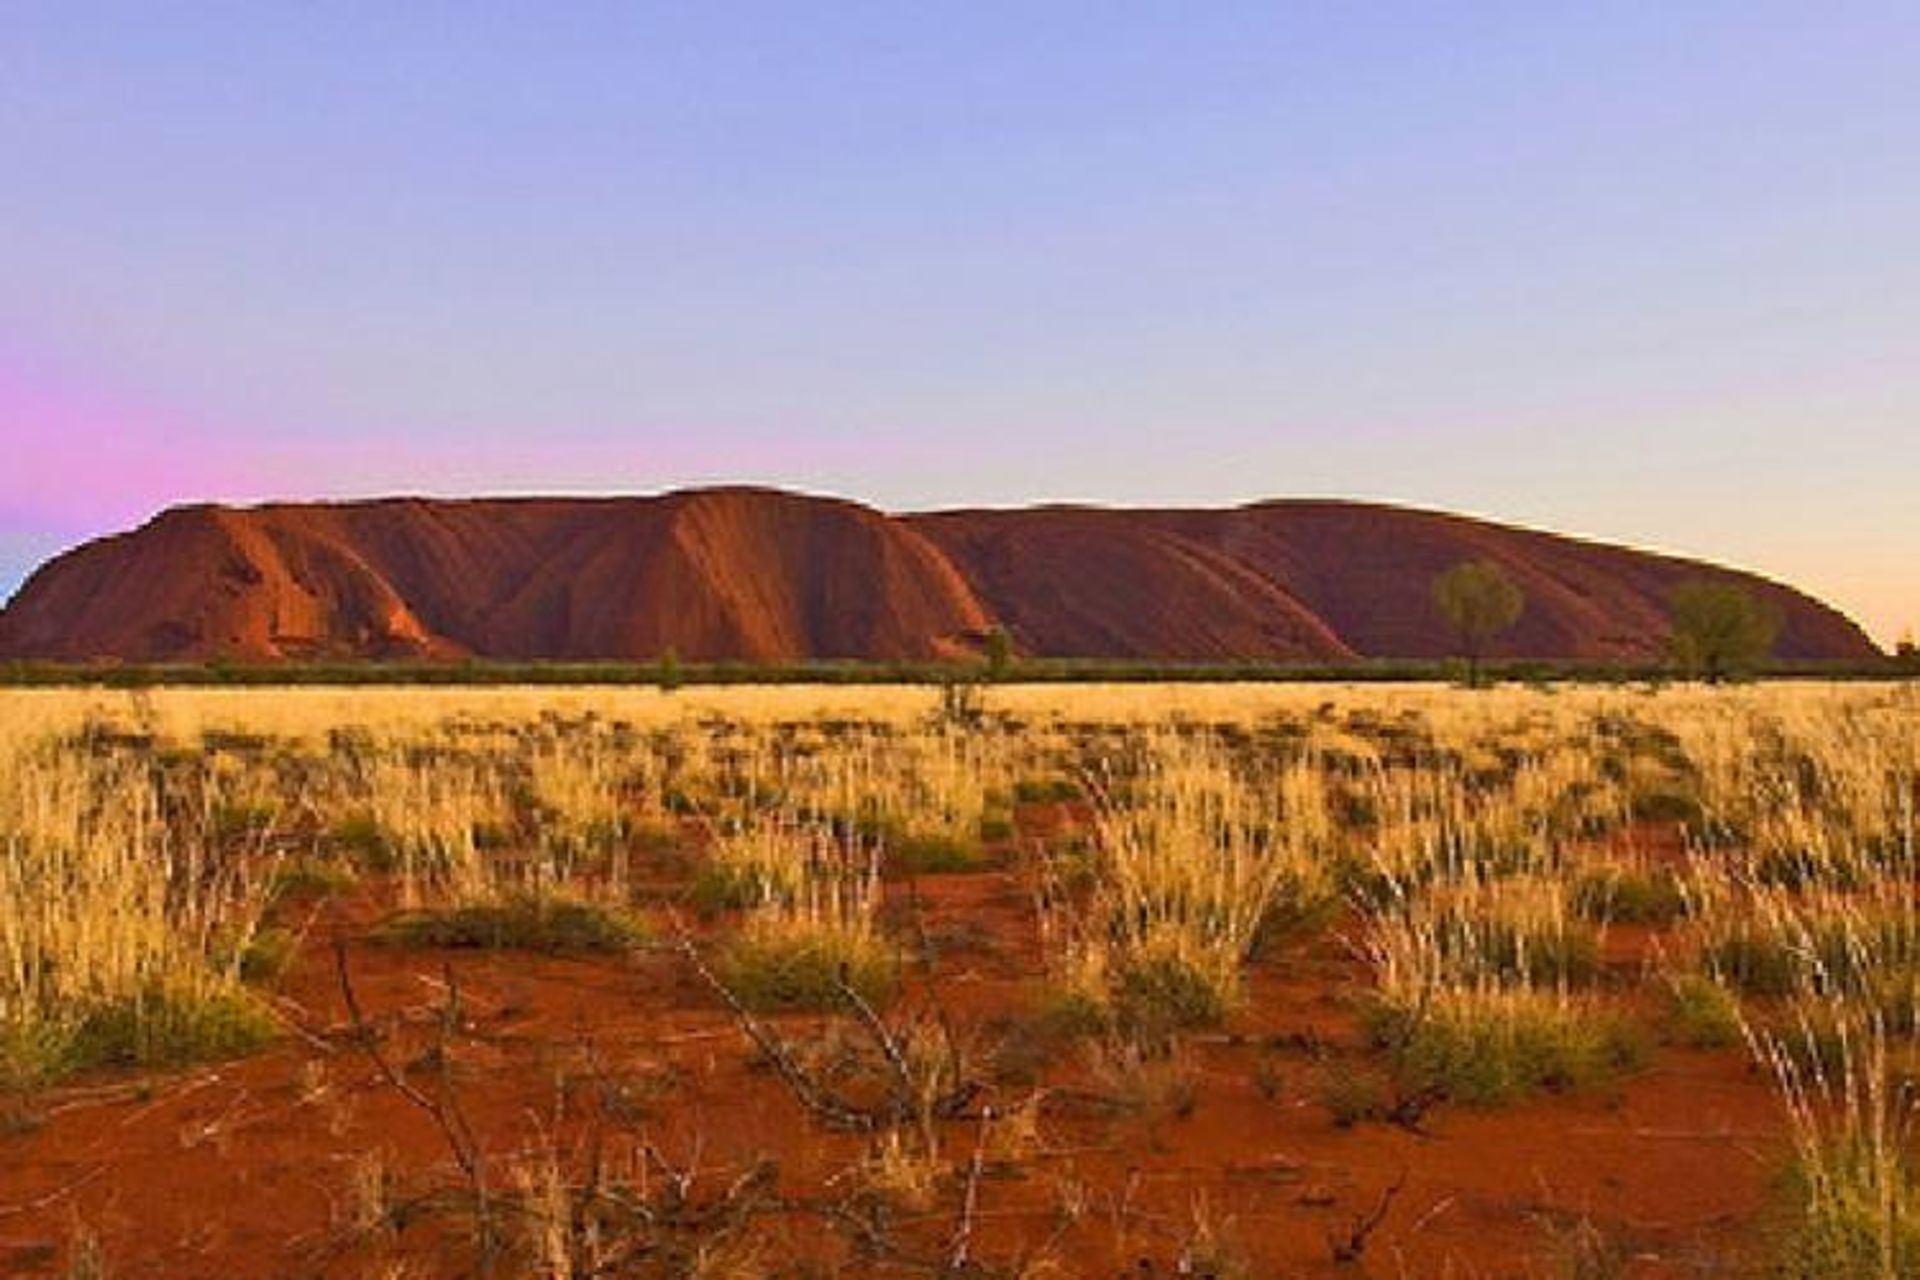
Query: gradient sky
{"points": [[1647, 271]]}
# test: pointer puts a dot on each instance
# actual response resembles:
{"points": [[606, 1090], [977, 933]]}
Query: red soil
{"points": [[244, 1169], [762, 575]]}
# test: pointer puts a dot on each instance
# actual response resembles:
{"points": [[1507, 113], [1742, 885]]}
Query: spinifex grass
{"points": [[1194, 869], [1476, 996], [120, 940], [768, 860], [1854, 1176], [808, 949], [1490, 1044]]}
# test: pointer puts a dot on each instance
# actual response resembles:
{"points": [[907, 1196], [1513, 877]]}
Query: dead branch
{"points": [[830, 1109], [1353, 1246], [445, 1110]]}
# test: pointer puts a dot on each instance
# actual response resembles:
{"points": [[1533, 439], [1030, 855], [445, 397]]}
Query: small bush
{"points": [[522, 923], [935, 855], [1800, 867], [1665, 805], [309, 878], [1353, 809], [1369, 887], [996, 827], [1860, 1221], [724, 886], [1354, 1094], [1027, 1047], [1157, 994], [33, 1055], [492, 835], [1703, 1014], [1623, 896], [1490, 1047], [163, 1027], [1042, 790], [267, 955], [1534, 952], [1157, 1080], [241, 822], [1753, 962], [795, 967], [362, 839]]}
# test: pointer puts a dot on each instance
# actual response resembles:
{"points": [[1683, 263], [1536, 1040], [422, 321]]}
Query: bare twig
{"points": [[1353, 1246], [827, 1107], [445, 1110], [960, 1254]]}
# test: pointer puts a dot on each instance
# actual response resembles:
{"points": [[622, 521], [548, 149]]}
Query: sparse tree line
{"points": [[1717, 629]]}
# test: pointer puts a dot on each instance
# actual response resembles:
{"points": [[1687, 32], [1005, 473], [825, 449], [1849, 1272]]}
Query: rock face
{"points": [[756, 574]]}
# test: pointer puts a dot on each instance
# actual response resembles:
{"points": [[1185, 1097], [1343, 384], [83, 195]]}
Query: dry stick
{"points": [[65, 1189], [450, 1119], [958, 1255], [889, 1048], [844, 1115], [1350, 1249], [449, 1096], [832, 1110], [369, 1039]]}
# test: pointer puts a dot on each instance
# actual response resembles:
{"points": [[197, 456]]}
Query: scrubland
{"points": [[1229, 980]]}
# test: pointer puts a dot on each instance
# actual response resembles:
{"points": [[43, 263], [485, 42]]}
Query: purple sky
{"points": [[1642, 271]]}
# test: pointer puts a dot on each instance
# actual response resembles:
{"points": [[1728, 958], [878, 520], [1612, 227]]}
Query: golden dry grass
{"points": [[1452, 839]]}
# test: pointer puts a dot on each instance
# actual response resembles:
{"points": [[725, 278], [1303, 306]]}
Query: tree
{"points": [[667, 673], [1479, 601], [998, 648], [1719, 627], [1906, 653]]}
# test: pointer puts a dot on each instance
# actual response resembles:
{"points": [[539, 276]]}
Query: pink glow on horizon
{"points": [[87, 458], [92, 460]]}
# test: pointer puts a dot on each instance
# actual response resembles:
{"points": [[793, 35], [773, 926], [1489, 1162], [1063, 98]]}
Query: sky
{"points": [[1641, 271]]}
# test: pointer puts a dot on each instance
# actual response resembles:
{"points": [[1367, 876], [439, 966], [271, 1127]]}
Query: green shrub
{"points": [[1042, 790], [361, 838], [1026, 1047], [492, 835], [1543, 953], [1667, 805], [241, 822], [1756, 963], [1790, 867], [267, 955], [724, 886], [162, 1027], [927, 855], [1703, 1014], [1157, 994], [792, 968], [1353, 809], [170, 1028], [1372, 888], [1860, 1219], [1354, 1094], [309, 878], [1489, 1047], [33, 1055], [520, 923], [1629, 897]]}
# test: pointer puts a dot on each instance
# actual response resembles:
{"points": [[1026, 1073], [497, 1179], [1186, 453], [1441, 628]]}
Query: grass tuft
{"points": [[1498, 1045], [1702, 1013], [778, 967], [520, 923]]}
